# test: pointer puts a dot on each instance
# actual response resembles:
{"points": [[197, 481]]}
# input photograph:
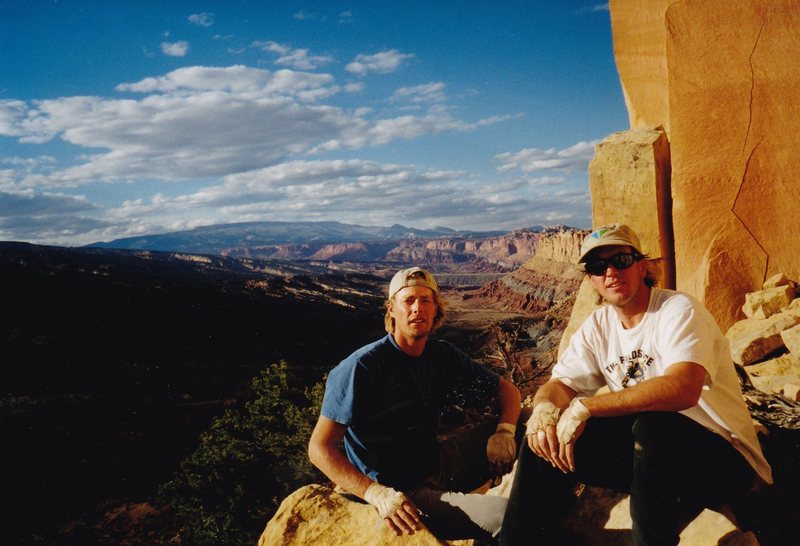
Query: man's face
{"points": [[619, 287], [413, 310]]}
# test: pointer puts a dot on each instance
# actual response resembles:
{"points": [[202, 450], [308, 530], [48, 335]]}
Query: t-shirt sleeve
{"points": [[338, 401], [578, 367], [687, 333]]}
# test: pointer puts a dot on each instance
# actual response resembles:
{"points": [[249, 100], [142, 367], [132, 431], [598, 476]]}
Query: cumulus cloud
{"points": [[202, 19], [572, 159], [298, 59], [197, 122], [380, 63], [175, 49]]}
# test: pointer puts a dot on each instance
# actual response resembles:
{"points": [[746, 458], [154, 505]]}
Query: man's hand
{"points": [[568, 429], [501, 450], [399, 513], [541, 433]]}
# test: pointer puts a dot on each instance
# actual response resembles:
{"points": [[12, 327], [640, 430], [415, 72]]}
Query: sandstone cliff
{"points": [[720, 78], [485, 254]]}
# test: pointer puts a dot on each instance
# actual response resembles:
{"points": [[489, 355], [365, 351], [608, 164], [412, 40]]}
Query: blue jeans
{"points": [[668, 463]]}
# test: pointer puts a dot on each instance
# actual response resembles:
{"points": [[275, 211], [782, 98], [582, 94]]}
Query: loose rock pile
{"points": [[767, 342]]}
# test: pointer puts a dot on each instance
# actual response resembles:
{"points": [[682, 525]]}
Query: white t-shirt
{"points": [[675, 328]]}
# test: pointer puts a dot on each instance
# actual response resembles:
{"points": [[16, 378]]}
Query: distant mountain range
{"points": [[215, 239]]}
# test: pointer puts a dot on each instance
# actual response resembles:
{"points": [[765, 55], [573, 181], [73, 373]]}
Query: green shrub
{"points": [[247, 462]]}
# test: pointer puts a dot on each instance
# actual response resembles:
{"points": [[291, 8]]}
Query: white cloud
{"points": [[353, 87], [346, 17], [296, 58], [381, 63], [175, 49], [198, 122], [12, 113], [573, 159], [429, 92], [202, 19]]}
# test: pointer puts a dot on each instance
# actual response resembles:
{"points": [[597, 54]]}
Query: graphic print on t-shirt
{"points": [[631, 368]]}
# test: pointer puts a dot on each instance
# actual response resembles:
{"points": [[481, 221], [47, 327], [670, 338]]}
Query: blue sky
{"points": [[127, 118]]}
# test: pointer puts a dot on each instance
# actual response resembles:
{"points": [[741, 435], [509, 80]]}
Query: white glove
{"points": [[572, 418], [502, 448], [385, 499], [544, 414]]}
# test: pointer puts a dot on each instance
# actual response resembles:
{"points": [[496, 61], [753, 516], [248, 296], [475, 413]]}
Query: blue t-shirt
{"points": [[391, 403]]}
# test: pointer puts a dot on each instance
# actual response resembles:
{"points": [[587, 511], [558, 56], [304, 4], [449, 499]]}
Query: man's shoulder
{"points": [[665, 299], [368, 351]]}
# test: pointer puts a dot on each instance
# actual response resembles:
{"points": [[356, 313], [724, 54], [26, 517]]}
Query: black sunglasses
{"points": [[622, 260]]}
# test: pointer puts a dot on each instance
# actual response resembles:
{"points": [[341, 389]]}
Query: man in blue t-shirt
{"points": [[384, 403]]}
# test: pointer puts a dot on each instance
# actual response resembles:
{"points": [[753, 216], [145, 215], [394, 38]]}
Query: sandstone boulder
{"points": [[753, 339], [777, 280], [791, 338], [771, 375], [316, 514], [791, 391], [767, 302]]}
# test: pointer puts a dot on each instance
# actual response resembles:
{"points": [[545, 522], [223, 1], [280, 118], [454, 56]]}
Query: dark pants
{"points": [[669, 464]]}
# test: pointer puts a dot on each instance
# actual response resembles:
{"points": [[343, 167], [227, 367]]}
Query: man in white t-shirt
{"points": [[672, 430]]}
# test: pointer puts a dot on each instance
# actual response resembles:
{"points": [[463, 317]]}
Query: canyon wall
{"points": [[546, 282], [720, 78]]}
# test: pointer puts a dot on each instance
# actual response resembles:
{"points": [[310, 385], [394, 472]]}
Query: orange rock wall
{"points": [[731, 72]]}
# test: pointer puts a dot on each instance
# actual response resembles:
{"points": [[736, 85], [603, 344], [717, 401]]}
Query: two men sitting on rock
{"points": [[385, 402], [670, 427]]}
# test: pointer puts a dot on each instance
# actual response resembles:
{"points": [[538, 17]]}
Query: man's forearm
{"points": [[510, 402], [677, 390], [334, 464], [555, 392]]}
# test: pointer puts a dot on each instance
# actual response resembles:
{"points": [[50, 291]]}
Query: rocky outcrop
{"points": [[721, 78], [560, 244], [316, 514]]}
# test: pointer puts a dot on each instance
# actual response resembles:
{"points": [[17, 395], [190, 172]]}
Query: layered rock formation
{"points": [[485, 254], [720, 77]]}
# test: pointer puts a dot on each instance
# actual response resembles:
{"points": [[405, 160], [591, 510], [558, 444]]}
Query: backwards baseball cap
{"points": [[413, 276], [612, 234]]}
